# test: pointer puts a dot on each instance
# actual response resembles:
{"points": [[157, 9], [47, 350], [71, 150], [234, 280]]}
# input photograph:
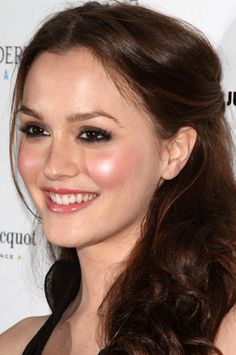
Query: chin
{"points": [[67, 239]]}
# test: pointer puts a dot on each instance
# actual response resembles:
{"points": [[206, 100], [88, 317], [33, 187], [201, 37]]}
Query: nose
{"points": [[61, 162]]}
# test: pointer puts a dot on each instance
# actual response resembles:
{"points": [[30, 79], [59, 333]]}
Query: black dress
{"points": [[61, 287]]}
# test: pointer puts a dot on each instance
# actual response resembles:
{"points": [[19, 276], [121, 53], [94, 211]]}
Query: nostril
{"points": [[59, 166]]}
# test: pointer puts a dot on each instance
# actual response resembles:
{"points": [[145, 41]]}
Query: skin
{"points": [[123, 171], [128, 165], [225, 339]]}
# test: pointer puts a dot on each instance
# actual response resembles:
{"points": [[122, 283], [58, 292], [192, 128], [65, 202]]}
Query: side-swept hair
{"points": [[180, 279]]}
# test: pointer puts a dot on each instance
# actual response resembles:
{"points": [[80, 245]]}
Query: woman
{"points": [[125, 152]]}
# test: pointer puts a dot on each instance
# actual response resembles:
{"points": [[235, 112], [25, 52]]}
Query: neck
{"points": [[100, 266]]}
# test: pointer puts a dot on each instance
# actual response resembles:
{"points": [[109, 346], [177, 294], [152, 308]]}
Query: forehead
{"points": [[77, 81], [71, 67]]}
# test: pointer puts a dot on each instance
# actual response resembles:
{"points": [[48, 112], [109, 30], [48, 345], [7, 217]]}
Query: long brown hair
{"points": [[180, 279]]}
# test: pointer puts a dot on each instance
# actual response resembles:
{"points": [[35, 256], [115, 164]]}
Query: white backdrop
{"points": [[21, 292]]}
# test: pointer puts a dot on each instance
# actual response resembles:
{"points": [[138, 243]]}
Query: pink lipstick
{"points": [[68, 200]]}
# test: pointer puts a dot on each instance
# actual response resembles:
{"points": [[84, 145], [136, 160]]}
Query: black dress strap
{"points": [[39, 341], [62, 284], [61, 287]]}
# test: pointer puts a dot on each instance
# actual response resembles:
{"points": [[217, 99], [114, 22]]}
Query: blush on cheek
{"points": [[113, 170], [28, 163]]}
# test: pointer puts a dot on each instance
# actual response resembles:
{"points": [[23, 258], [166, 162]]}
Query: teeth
{"points": [[79, 198], [65, 200], [70, 199], [85, 198], [58, 200]]}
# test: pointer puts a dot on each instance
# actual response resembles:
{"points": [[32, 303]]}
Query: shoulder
{"points": [[226, 337], [14, 340]]}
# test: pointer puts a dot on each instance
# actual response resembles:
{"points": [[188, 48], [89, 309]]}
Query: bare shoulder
{"points": [[226, 337], [14, 340]]}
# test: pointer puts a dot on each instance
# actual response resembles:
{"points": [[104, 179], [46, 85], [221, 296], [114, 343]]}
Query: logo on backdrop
{"points": [[9, 57], [231, 100], [11, 241]]}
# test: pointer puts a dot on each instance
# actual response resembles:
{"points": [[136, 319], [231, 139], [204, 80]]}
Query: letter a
{"points": [[5, 76]]}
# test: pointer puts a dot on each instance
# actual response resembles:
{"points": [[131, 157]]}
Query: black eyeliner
{"points": [[106, 135]]}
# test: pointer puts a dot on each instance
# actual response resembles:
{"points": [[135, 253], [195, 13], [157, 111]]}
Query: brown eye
{"points": [[91, 135], [32, 130]]}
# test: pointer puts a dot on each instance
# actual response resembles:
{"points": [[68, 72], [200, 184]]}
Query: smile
{"points": [[68, 199]]}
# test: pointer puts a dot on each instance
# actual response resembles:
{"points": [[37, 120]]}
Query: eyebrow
{"points": [[80, 116]]}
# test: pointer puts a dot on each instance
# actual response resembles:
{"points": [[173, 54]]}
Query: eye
{"points": [[33, 130], [94, 135]]}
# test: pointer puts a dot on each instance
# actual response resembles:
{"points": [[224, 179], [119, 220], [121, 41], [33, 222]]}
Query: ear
{"points": [[176, 152]]}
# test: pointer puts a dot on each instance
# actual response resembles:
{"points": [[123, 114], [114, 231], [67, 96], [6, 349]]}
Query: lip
{"points": [[66, 209], [67, 191]]}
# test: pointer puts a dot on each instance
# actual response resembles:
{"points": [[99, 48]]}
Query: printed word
{"points": [[6, 256], [231, 98], [13, 239], [10, 54]]}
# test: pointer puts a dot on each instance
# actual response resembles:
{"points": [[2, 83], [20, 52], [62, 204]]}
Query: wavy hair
{"points": [[180, 279]]}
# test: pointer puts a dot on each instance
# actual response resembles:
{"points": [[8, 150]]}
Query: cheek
{"points": [[114, 169], [29, 162]]}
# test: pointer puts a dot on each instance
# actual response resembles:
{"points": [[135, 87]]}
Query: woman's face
{"points": [[89, 157]]}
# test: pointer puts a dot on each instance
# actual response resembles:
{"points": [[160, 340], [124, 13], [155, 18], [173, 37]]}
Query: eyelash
{"points": [[33, 130], [93, 134]]}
